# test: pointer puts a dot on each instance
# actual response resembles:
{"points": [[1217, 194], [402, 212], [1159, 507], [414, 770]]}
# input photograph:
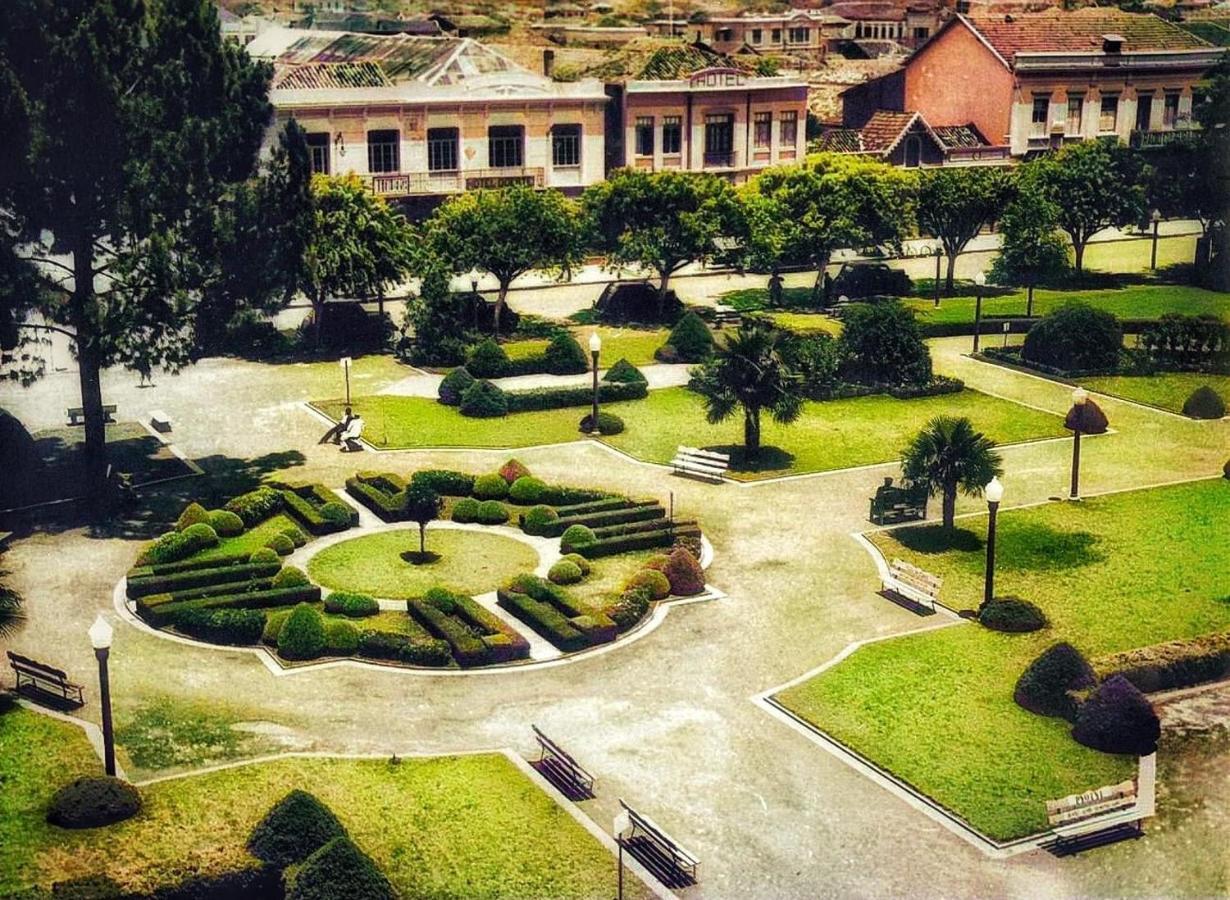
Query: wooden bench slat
{"points": [[654, 831]]}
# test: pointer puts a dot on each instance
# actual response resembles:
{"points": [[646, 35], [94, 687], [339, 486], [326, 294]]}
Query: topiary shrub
{"points": [[575, 537], [225, 523], [466, 510], [281, 544], [1117, 718], [256, 506], [93, 801], [444, 482], [1075, 337], [691, 338], [539, 520], [630, 608], [273, 626], [339, 871], [291, 576], [490, 487], [1011, 615], [527, 489], [564, 356], [486, 359], [296, 535], [263, 556], [193, 514], [337, 514], [294, 828], [341, 638], [171, 547], [303, 634], [351, 604], [623, 372], [512, 470], [483, 400], [579, 561], [492, 512], [1044, 686], [684, 573], [1204, 403], [658, 561], [654, 581], [202, 535], [454, 385], [608, 423], [881, 343], [564, 572], [667, 354]]}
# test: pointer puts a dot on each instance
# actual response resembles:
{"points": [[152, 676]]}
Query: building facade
{"points": [[795, 31]]}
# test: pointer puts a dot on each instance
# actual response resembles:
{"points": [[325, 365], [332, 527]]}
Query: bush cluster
{"points": [[404, 648], [256, 506], [1116, 718], [177, 545], [297, 537], [1075, 338], [1176, 341], [1046, 686], [239, 627], [454, 385], [93, 801], [293, 829], [351, 604], [303, 634], [1011, 615], [289, 577], [564, 356], [567, 624], [475, 635], [193, 514], [882, 344], [485, 400]]}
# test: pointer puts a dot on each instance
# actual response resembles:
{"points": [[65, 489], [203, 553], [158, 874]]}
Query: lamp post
{"points": [[979, 281], [100, 637], [939, 254], [1155, 218], [595, 348], [994, 493], [344, 362], [621, 824], [1079, 399]]}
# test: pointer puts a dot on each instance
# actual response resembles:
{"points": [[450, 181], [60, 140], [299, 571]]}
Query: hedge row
{"points": [[554, 615], [188, 565], [537, 399], [645, 540], [196, 578], [404, 648], [1174, 664], [476, 636], [938, 386], [379, 492], [165, 613], [215, 590], [319, 509], [650, 525], [256, 506], [639, 513]]}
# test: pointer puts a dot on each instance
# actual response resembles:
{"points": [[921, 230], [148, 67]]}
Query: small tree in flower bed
{"points": [[684, 573], [512, 470], [421, 505]]}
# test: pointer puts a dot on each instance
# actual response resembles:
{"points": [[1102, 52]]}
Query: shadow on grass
{"points": [[771, 459], [935, 539], [415, 558], [1037, 547]]}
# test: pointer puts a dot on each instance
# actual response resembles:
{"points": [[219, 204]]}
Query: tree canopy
{"points": [[949, 455], [954, 204], [1032, 249]]}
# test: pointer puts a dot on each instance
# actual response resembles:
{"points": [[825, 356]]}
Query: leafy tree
{"points": [[882, 344], [1032, 251], [1211, 109], [123, 126], [949, 455], [358, 244], [660, 220], [751, 371], [437, 315], [955, 203], [1185, 183], [1095, 185], [507, 232], [798, 215], [420, 504]]}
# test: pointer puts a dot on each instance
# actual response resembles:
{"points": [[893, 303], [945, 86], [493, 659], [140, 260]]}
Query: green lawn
{"points": [[1111, 573], [469, 562], [367, 374], [448, 827], [806, 323], [253, 539], [1168, 390], [637, 345], [832, 435]]}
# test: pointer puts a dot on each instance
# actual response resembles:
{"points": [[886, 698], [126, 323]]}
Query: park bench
{"points": [[898, 504], [557, 766], [1081, 807], [44, 682], [76, 414], [1094, 818], [914, 584], [657, 851], [700, 463]]}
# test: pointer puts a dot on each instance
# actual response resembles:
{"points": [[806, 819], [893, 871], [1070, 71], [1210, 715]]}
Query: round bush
{"points": [[490, 487], [564, 356], [527, 489], [483, 400], [296, 535], [1117, 718], [630, 608], [512, 470], [348, 603], [565, 572], [281, 544], [193, 514], [623, 372], [575, 537], [608, 423], [1204, 403], [492, 512], [93, 801], [341, 638], [684, 573], [883, 344], [273, 626], [656, 582], [294, 828], [454, 385], [538, 520], [171, 547], [579, 561], [336, 513], [303, 634], [202, 535], [487, 359], [339, 871], [1044, 686], [667, 354], [691, 338], [263, 556], [1075, 337], [1012, 615], [466, 510], [225, 523], [290, 577]]}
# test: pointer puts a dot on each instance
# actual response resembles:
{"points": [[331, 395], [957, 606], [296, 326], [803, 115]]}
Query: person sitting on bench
{"points": [[334, 434], [350, 437]]}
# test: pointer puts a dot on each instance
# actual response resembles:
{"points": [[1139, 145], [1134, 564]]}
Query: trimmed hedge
{"points": [[193, 514], [339, 871], [351, 605], [189, 565], [667, 536], [291, 576], [492, 512], [445, 482], [565, 571], [466, 510], [564, 356], [484, 400], [608, 423], [553, 614], [1045, 686], [93, 801], [1174, 664], [490, 487], [379, 492], [341, 638], [487, 359], [256, 506], [579, 561], [319, 509], [161, 614], [225, 522], [527, 490], [652, 580], [475, 635], [691, 339], [281, 544], [294, 828], [303, 634], [403, 648], [630, 608], [539, 521], [624, 371], [1012, 615], [174, 546], [1204, 403], [196, 578], [537, 399], [575, 537], [1117, 719], [222, 626], [213, 590], [1075, 337]]}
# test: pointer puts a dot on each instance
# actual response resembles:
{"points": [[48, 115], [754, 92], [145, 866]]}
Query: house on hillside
{"points": [[1032, 82], [806, 32], [907, 139]]}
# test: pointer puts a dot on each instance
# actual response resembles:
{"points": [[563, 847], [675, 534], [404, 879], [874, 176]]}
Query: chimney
{"points": [[548, 62]]}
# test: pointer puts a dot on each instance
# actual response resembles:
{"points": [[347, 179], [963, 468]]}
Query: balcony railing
{"points": [[409, 184], [1150, 140]]}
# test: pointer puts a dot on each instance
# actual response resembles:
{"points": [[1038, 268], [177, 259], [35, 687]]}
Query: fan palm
{"points": [[949, 455], [11, 615], [752, 372]]}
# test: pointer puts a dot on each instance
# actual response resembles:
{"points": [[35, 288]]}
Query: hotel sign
{"points": [[718, 78]]}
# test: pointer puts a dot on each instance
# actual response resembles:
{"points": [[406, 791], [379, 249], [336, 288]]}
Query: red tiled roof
{"points": [[840, 140], [884, 129], [1056, 31], [964, 136]]}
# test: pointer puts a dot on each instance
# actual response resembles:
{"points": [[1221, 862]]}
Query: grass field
{"points": [[637, 345], [1112, 573], [469, 562], [832, 435], [448, 827], [253, 539], [1168, 390]]}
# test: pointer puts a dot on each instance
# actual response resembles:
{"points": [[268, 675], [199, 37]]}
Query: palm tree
{"points": [[751, 371], [11, 615], [949, 455]]}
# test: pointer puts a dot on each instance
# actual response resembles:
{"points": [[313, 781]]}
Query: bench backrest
{"points": [[34, 667], [1093, 801], [919, 579], [553, 748], [705, 455], [647, 825]]}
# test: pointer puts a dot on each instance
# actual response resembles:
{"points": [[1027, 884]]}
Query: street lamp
{"points": [[979, 281], [474, 273], [1085, 417], [939, 254], [344, 362], [595, 347], [622, 823], [994, 493], [100, 637], [1155, 218]]}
